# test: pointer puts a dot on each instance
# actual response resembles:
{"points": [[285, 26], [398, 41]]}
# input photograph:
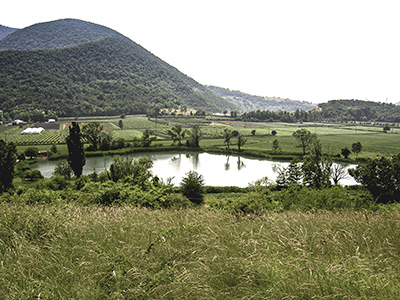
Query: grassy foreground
{"points": [[77, 252]]}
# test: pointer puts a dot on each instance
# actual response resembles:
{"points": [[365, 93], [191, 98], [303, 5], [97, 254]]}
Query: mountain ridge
{"points": [[4, 31], [101, 72], [248, 102]]}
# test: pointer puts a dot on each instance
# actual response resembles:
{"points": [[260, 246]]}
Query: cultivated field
{"points": [[334, 137]]}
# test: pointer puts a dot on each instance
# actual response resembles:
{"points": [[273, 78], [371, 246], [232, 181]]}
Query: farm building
{"points": [[32, 130]]}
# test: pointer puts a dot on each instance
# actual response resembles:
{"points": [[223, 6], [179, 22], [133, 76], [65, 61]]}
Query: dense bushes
{"points": [[295, 197]]}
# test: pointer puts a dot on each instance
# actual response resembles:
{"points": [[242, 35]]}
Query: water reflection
{"points": [[222, 170], [240, 164]]}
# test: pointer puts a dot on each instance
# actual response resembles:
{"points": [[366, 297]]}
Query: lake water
{"points": [[217, 169]]}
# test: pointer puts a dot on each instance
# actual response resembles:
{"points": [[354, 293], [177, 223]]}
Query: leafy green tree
{"points": [[92, 133], [381, 176], [8, 155], [31, 152], [192, 187], [316, 168], [63, 168], [195, 135], [147, 139], [356, 148], [241, 140], [346, 152], [136, 169], [290, 175], [304, 137], [276, 147], [76, 154], [227, 137], [105, 141], [177, 134], [386, 128], [54, 149], [32, 175]]}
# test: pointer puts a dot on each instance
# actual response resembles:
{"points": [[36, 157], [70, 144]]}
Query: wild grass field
{"points": [[76, 252]]}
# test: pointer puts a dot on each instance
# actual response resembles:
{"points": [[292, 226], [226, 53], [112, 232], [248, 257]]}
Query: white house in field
{"points": [[33, 130]]}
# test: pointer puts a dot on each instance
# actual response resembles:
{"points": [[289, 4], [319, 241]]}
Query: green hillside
{"points": [[4, 31], [247, 102], [358, 110], [97, 72], [56, 34]]}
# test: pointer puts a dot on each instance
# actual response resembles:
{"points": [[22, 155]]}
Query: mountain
{"points": [[4, 31], [77, 68], [247, 102]]}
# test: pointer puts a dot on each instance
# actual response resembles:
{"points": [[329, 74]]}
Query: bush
{"points": [[192, 187]]}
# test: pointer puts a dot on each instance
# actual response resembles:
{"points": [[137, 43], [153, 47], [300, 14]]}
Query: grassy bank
{"points": [[75, 252]]}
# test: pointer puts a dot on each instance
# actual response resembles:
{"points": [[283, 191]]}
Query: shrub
{"points": [[192, 187]]}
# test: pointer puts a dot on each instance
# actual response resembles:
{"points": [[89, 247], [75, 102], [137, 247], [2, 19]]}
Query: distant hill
{"points": [[77, 68], [358, 110], [246, 102], [4, 31]]}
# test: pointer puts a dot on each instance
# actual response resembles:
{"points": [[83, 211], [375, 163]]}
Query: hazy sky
{"points": [[299, 49]]}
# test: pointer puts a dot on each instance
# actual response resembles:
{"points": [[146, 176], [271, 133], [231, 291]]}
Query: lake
{"points": [[217, 169]]}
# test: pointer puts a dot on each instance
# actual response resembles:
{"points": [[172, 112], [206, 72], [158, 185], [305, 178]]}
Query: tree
{"points": [[92, 133], [136, 169], [316, 168], [338, 172], [356, 148], [304, 137], [54, 149], [276, 148], [386, 128], [195, 135], [253, 132], [381, 176], [227, 137], [120, 124], [192, 187], [8, 155], [76, 154], [31, 152], [290, 175], [346, 152], [147, 139], [32, 175], [177, 134], [241, 140], [63, 168]]}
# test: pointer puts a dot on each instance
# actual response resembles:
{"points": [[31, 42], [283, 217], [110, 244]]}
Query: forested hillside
{"points": [[332, 111], [247, 102], [56, 34], [4, 31], [358, 110], [108, 74]]}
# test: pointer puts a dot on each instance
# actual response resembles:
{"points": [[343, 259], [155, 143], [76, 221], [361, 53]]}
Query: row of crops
{"points": [[45, 138]]}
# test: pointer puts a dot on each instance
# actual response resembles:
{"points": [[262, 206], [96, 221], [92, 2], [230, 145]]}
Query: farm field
{"points": [[333, 137]]}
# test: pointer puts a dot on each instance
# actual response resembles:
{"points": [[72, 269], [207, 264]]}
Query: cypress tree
{"points": [[76, 154]]}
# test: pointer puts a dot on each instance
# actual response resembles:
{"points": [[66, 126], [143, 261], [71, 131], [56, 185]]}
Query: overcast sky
{"points": [[311, 50]]}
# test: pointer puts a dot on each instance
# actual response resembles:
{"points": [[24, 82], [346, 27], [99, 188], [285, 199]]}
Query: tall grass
{"points": [[75, 252]]}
